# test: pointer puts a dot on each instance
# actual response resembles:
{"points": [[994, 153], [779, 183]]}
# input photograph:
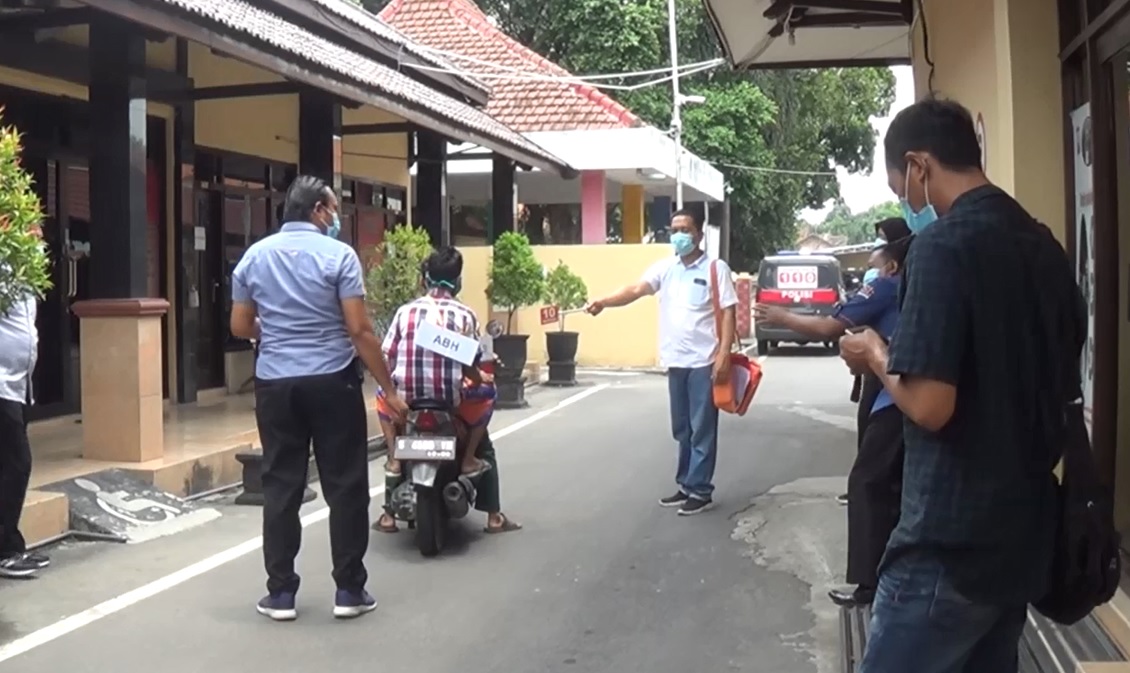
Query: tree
{"points": [[393, 279], [859, 228], [24, 268], [796, 120], [807, 121], [517, 279]]}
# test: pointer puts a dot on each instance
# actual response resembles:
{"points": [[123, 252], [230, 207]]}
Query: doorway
{"points": [[209, 286], [63, 187]]}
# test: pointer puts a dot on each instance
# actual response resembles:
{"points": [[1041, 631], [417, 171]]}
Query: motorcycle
{"points": [[433, 491]]}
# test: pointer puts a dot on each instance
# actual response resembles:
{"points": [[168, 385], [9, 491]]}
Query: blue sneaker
{"points": [[350, 604], [279, 607]]}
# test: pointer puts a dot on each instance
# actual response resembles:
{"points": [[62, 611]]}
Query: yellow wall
{"points": [[381, 157], [623, 337], [999, 59], [261, 126]]}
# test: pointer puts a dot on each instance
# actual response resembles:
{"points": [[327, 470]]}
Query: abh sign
{"points": [[447, 343]]}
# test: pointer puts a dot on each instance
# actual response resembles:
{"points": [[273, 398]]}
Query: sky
{"points": [[861, 191]]}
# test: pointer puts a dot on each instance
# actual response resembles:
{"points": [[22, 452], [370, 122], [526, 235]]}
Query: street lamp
{"points": [[678, 100]]}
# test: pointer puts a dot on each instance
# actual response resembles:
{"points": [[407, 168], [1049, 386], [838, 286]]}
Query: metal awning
{"points": [[812, 33], [258, 37]]}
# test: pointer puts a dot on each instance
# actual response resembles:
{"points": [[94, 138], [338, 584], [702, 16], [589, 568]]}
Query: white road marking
{"points": [[842, 422], [118, 603]]}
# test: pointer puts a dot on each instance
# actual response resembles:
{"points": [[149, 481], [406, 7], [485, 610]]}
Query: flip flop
{"points": [[484, 467], [386, 529], [506, 527]]}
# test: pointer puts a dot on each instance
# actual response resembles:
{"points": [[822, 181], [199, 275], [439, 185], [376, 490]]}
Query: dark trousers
{"points": [[15, 472], [328, 410], [874, 488]]}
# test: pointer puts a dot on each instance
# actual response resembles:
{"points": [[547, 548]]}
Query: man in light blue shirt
{"points": [[301, 293]]}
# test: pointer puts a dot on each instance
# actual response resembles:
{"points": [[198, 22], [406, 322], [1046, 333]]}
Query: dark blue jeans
{"points": [[921, 623], [694, 423]]}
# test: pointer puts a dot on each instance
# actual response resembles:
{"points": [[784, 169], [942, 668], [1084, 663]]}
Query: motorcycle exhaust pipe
{"points": [[458, 496]]}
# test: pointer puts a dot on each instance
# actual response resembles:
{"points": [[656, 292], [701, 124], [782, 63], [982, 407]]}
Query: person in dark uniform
{"points": [[874, 484], [300, 294]]}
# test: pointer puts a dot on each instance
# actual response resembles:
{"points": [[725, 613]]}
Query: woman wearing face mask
{"points": [[693, 353], [876, 476]]}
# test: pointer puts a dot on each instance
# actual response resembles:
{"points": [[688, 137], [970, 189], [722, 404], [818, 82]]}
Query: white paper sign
{"points": [[1085, 243], [200, 238], [445, 342], [796, 277]]}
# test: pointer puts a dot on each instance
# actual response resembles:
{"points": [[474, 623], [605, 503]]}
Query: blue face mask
{"points": [[453, 287], [334, 230], [683, 243], [917, 221], [870, 276]]}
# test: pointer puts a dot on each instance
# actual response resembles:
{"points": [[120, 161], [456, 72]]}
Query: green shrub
{"points": [[394, 278], [516, 278], [565, 290], [23, 261]]}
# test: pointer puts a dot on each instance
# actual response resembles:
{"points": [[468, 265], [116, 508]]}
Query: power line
{"points": [[455, 56], [766, 169], [559, 79]]}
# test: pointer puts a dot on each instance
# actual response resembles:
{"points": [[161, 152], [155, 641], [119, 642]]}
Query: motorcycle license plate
{"points": [[425, 448]]}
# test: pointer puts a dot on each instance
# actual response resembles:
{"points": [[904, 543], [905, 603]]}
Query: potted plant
{"points": [[24, 267], [566, 291], [393, 278], [516, 281]]}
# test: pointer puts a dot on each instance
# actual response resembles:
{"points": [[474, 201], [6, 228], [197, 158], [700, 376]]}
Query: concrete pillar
{"points": [[631, 213], [120, 338], [594, 205], [319, 137], [119, 232], [432, 212], [503, 197], [1000, 59]]}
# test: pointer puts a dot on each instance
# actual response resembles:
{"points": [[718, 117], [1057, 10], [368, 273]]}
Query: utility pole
{"points": [[677, 100]]}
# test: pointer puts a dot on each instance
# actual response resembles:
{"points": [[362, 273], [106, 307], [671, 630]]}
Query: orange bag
{"points": [[735, 395]]}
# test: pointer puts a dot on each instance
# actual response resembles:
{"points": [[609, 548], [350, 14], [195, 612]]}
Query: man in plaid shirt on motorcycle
{"points": [[421, 374]]}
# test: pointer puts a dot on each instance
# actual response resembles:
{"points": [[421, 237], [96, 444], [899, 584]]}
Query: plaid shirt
{"points": [[978, 495], [419, 373]]}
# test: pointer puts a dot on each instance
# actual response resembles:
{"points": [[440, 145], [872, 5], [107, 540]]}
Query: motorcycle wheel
{"points": [[431, 526]]}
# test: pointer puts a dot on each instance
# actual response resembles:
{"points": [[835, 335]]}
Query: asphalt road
{"points": [[601, 579]]}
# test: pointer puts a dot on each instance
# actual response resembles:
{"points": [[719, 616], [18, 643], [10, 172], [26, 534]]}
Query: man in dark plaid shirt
{"points": [[974, 541]]}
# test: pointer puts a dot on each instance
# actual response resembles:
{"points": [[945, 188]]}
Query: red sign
{"points": [[549, 315], [797, 277]]}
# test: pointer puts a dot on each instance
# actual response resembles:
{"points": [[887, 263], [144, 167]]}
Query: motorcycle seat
{"points": [[425, 404]]}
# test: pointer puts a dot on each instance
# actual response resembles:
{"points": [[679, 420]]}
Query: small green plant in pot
{"points": [[24, 268], [565, 290], [517, 280], [394, 280]]}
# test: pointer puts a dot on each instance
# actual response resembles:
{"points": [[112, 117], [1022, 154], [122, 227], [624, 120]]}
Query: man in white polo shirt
{"points": [[694, 355]]}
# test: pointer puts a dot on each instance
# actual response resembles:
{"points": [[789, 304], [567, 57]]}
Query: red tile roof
{"points": [[460, 27]]}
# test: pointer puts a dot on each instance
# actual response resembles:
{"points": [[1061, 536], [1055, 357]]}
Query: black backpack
{"points": [[1086, 562], [1086, 565]]}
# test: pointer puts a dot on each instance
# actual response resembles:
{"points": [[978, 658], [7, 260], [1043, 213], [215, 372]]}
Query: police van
{"points": [[809, 284]]}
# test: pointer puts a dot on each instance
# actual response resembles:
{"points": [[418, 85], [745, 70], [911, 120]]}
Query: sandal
{"points": [[386, 528], [483, 466], [507, 526]]}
